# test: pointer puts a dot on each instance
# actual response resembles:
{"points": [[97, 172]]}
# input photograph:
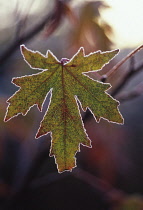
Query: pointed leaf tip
{"points": [[22, 47], [5, 119], [116, 51], [81, 50]]}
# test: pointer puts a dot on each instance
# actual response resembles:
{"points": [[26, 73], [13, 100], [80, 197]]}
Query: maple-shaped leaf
{"points": [[67, 84]]}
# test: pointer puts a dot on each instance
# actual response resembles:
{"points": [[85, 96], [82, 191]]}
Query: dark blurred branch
{"points": [[48, 20], [126, 96], [22, 21], [132, 72], [105, 189], [62, 10], [126, 78], [15, 45], [48, 179], [109, 192]]}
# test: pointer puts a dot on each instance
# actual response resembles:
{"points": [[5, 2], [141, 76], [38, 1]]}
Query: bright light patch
{"points": [[126, 18]]}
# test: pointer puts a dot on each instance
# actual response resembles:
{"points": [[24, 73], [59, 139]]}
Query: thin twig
{"points": [[123, 60]]}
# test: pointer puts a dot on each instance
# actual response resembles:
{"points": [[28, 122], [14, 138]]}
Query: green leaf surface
{"points": [[67, 83]]}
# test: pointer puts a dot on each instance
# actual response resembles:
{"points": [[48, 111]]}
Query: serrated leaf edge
{"points": [[76, 98]]}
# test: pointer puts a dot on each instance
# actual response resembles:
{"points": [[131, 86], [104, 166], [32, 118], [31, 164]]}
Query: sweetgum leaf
{"points": [[67, 84]]}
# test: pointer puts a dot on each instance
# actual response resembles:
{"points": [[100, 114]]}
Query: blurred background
{"points": [[108, 176]]}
